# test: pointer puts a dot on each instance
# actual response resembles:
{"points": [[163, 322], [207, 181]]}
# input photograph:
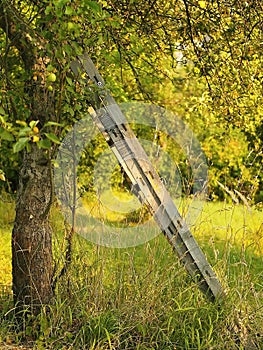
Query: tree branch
{"points": [[17, 34]]}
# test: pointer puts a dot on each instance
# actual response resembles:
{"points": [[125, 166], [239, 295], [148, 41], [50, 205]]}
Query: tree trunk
{"points": [[32, 238]]}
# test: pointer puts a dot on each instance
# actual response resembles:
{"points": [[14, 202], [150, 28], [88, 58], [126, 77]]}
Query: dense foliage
{"points": [[201, 60]]}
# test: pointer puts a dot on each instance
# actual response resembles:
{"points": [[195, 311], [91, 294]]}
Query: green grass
{"points": [[141, 297], [6, 220]]}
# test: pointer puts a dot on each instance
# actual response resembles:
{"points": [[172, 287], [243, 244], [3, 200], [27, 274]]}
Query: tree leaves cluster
{"points": [[138, 48], [226, 39]]}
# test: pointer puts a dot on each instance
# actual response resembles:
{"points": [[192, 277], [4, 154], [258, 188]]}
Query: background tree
{"points": [[224, 41], [40, 101]]}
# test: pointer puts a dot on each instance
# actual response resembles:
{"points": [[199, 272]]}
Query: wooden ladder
{"points": [[146, 183]]}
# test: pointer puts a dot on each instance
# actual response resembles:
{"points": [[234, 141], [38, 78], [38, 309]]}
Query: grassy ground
{"points": [[141, 297]]}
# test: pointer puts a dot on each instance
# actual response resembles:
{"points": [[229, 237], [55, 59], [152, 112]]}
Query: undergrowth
{"points": [[142, 298]]}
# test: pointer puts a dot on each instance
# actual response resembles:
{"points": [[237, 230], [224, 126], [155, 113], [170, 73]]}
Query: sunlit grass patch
{"points": [[5, 259], [235, 224], [111, 205], [7, 210], [7, 214]]}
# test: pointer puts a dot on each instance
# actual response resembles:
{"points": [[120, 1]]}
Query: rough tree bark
{"points": [[31, 238], [32, 235]]}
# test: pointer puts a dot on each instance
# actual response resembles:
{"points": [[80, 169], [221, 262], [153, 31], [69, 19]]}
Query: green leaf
{"points": [[60, 3], [69, 80], [21, 122], [45, 143], [71, 111], [69, 11], [20, 144], [25, 131], [50, 68], [68, 49], [53, 124], [52, 137], [2, 120], [2, 111], [33, 123], [94, 6], [28, 147], [2, 175], [6, 135], [48, 10]]}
